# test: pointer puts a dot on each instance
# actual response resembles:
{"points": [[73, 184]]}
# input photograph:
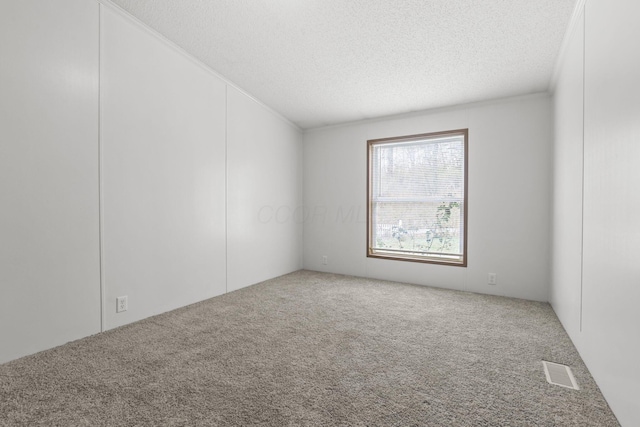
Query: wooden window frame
{"points": [[405, 256]]}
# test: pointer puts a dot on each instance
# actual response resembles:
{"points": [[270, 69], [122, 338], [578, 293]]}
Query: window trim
{"points": [[371, 253]]}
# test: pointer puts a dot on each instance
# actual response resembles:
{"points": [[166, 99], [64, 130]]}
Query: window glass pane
{"points": [[419, 226], [425, 170], [417, 197]]}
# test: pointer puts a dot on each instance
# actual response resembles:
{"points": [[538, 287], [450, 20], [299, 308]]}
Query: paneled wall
{"points": [[600, 311], [163, 174], [264, 194], [509, 197], [118, 154], [49, 241], [566, 272]]}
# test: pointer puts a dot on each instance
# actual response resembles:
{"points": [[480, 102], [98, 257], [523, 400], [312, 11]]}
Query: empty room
{"points": [[319, 213]]}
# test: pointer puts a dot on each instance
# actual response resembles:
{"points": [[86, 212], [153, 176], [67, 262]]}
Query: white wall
{"points": [[163, 174], [509, 197], [264, 238], [609, 341], [566, 277], [118, 153], [49, 252]]}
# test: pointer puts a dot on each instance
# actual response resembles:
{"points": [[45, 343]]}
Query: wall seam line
{"points": [[584, 63], [100, 181], [226, 188]]}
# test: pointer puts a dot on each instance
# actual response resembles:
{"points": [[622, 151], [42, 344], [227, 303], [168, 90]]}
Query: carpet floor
{"points": [[313, 349]]}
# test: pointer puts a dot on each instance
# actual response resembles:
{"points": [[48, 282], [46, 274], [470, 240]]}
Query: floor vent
{"points": [[559, 375]]}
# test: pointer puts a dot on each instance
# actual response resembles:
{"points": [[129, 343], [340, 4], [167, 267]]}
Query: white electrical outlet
{"points": [[325, 261], [121, 304], [493, 279]]}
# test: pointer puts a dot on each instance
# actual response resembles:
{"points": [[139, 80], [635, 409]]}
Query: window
{"points": [[417, 198]]}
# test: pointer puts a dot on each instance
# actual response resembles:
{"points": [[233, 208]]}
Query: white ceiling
{"points": [[322, 62]]}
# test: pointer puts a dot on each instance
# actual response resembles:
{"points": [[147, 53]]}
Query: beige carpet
{"points": [[313, 349]]}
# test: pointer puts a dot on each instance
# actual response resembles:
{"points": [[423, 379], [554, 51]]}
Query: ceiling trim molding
{"points": [[453, 107], [120, 11], [578, 13]]}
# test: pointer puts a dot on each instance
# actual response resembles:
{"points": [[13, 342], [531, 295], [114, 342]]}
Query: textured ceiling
{"points": [[322, 62]]}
